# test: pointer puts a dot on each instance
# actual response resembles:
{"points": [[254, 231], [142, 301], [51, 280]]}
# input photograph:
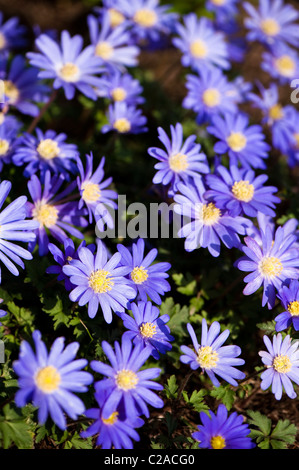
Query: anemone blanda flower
{"points": [[281, 63], [99, 282], [111, 431], [146, 326], [53, 213], [129, 387], [146, 278], [272, 23], [210, 93], [93, 194], [67, 64], [211, 356], [240, 192], [14, 227], [271, 264], [292, 137], [111, 45], [223, 431], [289, 298], [207, 226], [47, 151], [48, 379], [244, 143], [201, 45], [118, 86], [180, 160], [9, 130], [11, 34], [223, 7], [282, 362], [113, 9], [125, 119]]}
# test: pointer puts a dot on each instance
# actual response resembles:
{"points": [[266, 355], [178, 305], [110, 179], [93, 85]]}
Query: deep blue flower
{"points": [[125, 119], [281, 63], [11, 35], [289, 298], [118, 86], [9, 130]]}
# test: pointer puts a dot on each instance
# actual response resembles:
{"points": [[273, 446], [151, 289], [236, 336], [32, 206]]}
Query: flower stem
{"points": [[184, 383], [42, 112]]}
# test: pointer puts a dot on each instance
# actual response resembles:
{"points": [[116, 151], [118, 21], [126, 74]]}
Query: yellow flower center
{"points": [[145, 17], [285, 66], [282, 364], [4, 146], [69, 72], [211, 97], [148, 329], [293, 308], [126, 379], [210, 214], [91, 192], [237, 141], [270, 27], [243, 190], [48, 149], [276, 112], [48, 379], [119, 94], [104, 50], [11, 91], [178, 162], [139, 275], [218, 442], [112, 419], [2, 41], [206, 357], [296, 137], [270, 266], [116, 17], [100, 282], [122, 125], [199, 49], [46, 214]]}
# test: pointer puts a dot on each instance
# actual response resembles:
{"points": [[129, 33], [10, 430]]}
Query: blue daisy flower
{"points": [[118, 86], [48, 379], [289, 298], [223, 7], [11, 34], [125, 119], [179, 161], [114, 11], [146, 326], [281, 63], [211, 357], [282, 362], [9, 130], [146, 278]]}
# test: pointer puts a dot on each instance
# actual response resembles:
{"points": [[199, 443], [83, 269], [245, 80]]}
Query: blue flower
{"points": [[11, 35], [99, 282], [118, 86], [220, 431], [244, 143], [129, 387], [49, 378], [146, 326], [240, 192], [179, 161], [111, 431], [281, 63], [146, 278], [69, 65], [281, 360], [125, 119], [48, 151], [14, 227], [9, 130], [223, 7], [289, 297], [270, 265]]}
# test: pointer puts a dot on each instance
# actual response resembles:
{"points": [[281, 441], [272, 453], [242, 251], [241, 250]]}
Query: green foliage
{"points": [[16, 428], [225, 394], [268, 436]]}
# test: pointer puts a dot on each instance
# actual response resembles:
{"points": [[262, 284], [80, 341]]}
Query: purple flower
{"points": [[8, 139], [281, 63], [125, 119], [118, 86], [289, 297], [11, 35]]}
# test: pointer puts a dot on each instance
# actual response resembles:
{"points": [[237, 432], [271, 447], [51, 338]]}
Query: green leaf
{"points": [[178, 316], [268, 327], [260, 421], [15, 429], [285, 432], [196, 400], [225, 394], [171, 387]]}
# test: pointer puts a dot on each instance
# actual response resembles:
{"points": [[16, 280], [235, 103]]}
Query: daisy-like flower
{"points": [[11, 34], [47, 151], [48, 379], [272, 23], [205, 225], [201, 45], [244, 143], [118, 86], [289, 298], [125, 119], [111, 431], [209, 94], [240, 192], [282, 362], [223, 7], [111, 45], [9, 130], [113, 9], [93, 194], [292, 137], [281, 63], [67, 64], [223, 431], [146, 326], [270, 265], [52, 212], [179, 161], [211, 357], [99, 282], [14, 227], [129, 387], [146, 278]]}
